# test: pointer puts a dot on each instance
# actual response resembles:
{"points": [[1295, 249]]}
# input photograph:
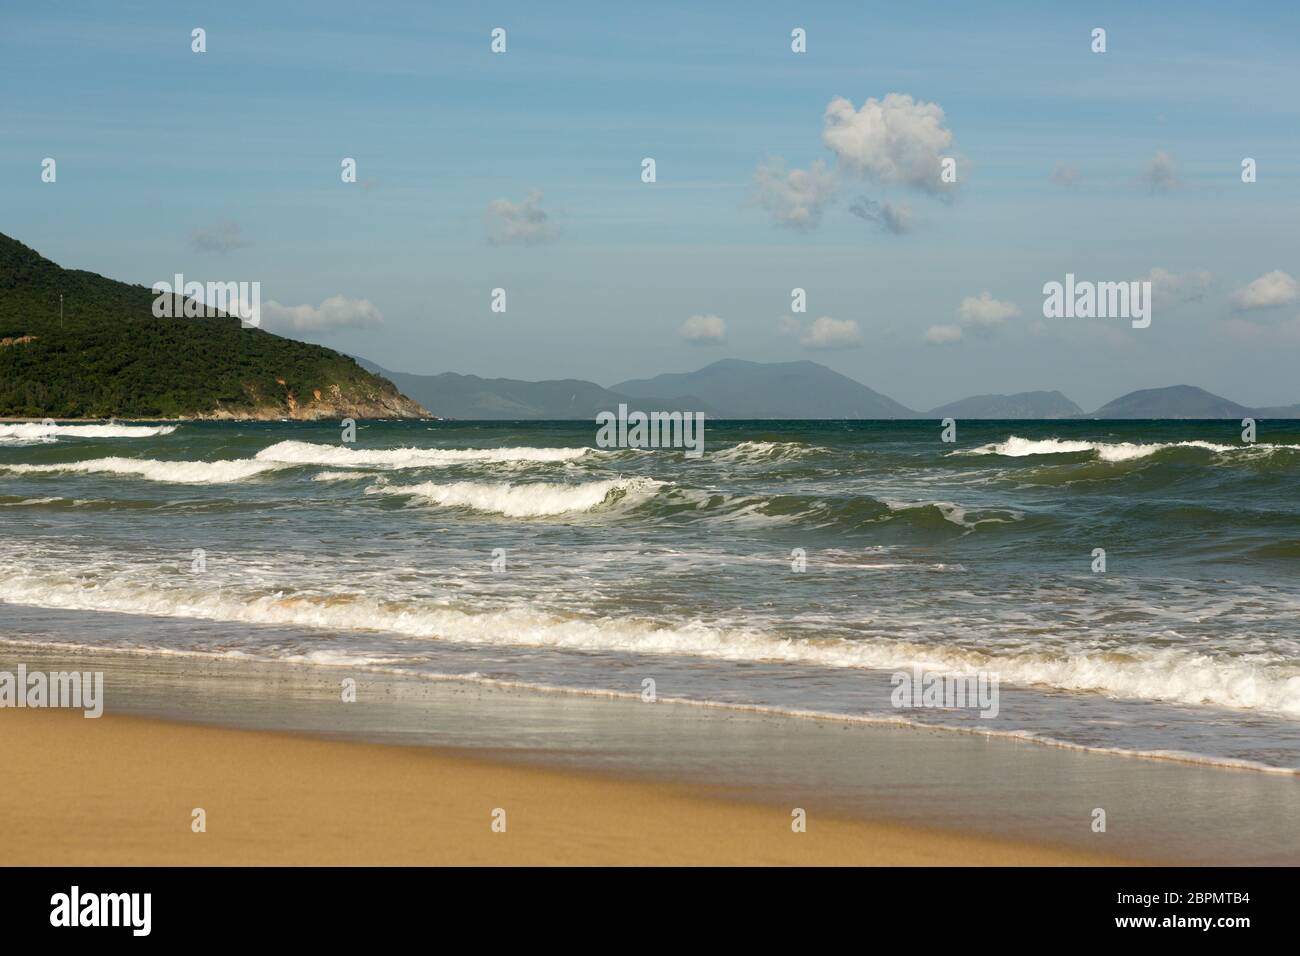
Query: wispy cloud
{"points": [[980, 313], [984, 310], [794, 197], [827, 334], [890, 218], [336, 312], [704, 330], [523, 223], [943, 334], [1160, 174], [1269, 290], [1177, 288], [221, 237]]}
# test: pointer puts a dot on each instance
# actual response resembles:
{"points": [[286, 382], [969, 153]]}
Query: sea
{"points": [[1129, 587]]}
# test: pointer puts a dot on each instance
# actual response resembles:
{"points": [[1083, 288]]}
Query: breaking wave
{"points": [[525, 500], [1142, 673], [1016, 447], [38, 431], [338, 456], [180, 472], [766, 452]]}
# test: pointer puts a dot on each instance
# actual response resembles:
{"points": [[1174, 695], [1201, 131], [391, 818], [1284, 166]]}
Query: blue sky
{"points": [[226, 166]]}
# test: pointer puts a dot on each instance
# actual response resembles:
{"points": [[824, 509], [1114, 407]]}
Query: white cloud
{"points": [[1271, 289], [523, 223], [336, 312], [942, 334], [1064, 174], [892, 140], [982, 312], [221, 237], [1161, 173], [986, 311], [827, 333], [1176, 288], [891, 218], [794, 197], [704, 330]]}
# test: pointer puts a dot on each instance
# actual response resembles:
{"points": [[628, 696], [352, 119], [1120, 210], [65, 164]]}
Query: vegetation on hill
{"points": [[110, 357]]}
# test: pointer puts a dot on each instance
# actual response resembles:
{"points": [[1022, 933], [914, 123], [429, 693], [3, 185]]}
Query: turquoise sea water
{"points": [[518, 552]]}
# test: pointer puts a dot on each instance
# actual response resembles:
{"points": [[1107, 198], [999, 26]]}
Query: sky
{"points": [[774, 170]]}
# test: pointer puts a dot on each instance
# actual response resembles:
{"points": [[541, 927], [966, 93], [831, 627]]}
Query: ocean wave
{"points": [[344, 476], [287, 454], [525, 500], [766, 452], [27, 431], [179, 472], [1141, 673], [339, 456], [1016, 447], [846, 512], [968, 518]]}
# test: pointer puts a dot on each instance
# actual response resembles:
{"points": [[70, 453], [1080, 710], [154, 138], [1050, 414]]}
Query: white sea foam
{"points": [[1144, 673], [1016, 447], [26, 431], [180, 472], [340, 456], [286, 454], [525, 500]]}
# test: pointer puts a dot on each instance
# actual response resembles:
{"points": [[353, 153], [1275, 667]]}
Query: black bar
{"points": [[347, 906]]}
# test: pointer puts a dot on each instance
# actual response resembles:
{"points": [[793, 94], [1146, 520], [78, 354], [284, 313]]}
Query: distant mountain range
{"points": [[776, 390], [1020, 405], [509, 399], [732, 388]]}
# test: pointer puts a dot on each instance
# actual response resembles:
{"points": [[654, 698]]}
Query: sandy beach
{"points": [[122, 790], [412, 772]]}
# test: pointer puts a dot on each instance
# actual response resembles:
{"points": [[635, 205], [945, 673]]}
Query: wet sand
{"points": [[123, 790]]}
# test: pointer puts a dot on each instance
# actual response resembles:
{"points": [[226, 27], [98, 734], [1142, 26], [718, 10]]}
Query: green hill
{"points": [[109, 357]]}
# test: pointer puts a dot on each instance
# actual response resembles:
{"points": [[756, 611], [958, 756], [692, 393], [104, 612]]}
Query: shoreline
{"points": [[930, 795], [20, 645]]}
